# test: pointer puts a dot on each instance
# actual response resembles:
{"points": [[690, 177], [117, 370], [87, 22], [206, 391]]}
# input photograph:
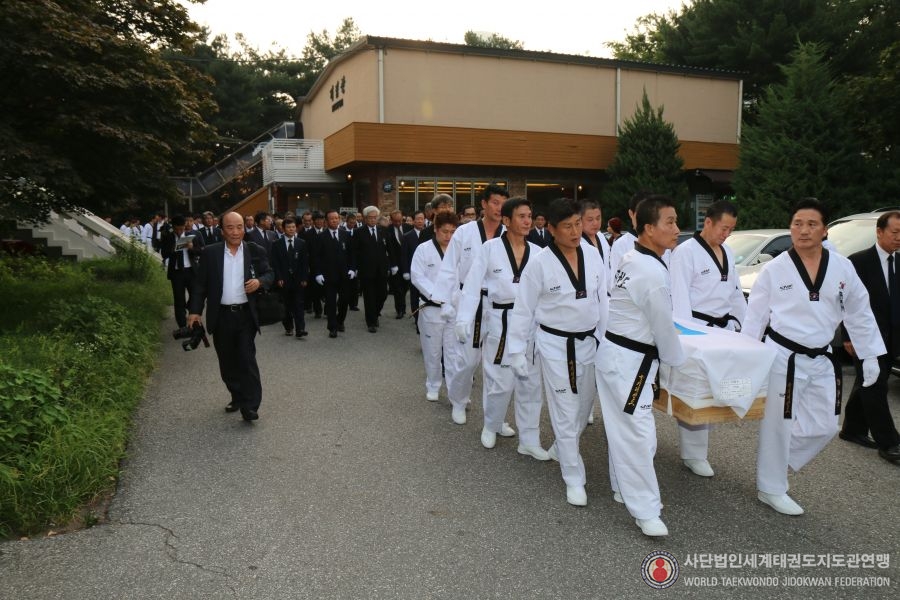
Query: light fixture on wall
{"points": [[349, 176]]}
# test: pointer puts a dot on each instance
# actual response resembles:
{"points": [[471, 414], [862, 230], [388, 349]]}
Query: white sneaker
{"points": [[591, 417], [459, 416], [781, 503], [699, 467], [575, 495], [507, 431], [535, 452], [652, 527], [553, 453], [618, 498], [488, 438], [431, 396]]}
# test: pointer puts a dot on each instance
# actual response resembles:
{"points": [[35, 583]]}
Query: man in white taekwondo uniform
{"points": [[499, 268], [705, 286], [461, 360], [639, 335], [593, 240], [434, 331], [562, 293], [797, 301]]}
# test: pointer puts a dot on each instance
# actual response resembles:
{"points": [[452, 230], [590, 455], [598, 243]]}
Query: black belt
{"points": [[715, 321], [650, 354], [235, 307], [570, 336], [431, 303], [796, 349], [502, 345], [476, 334]]}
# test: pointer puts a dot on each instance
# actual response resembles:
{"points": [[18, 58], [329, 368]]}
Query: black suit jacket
{"points": [[411, 241], [210, 238], [293, 268], [167, 251], [371, 258], [868, 266], [264, 239], [332, 259], [395, 247], [208, 281], [534, 238]]}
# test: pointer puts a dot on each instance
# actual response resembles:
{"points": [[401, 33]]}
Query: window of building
{"points": [[413, 193]]}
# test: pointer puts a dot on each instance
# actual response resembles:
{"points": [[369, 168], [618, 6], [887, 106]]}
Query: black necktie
{"points": [[893, 291], [374, 237], [290, 245], [334, 233]]}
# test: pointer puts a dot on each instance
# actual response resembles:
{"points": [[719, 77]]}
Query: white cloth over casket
{"points": [[723, 368]]}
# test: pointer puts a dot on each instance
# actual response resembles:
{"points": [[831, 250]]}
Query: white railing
{"points": [[295, 161]]}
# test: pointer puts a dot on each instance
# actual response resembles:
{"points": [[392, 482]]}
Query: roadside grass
{"points": [[77, 343]]}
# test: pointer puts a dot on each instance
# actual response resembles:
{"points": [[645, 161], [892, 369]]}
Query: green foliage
{"points": [[646, 159], [494, 41], [70, 375], [801, 145], [97, 117]]}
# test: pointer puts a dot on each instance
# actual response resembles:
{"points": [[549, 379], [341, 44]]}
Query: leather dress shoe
{"points": [[699, 467], [652, 527], [341, 328], [353, 308], [781, 503], [400, 315], [488, 438], [535, 452], [302, 333], [249, 414], [231, 407], [862, 440], [289, 332], [890, 454], [372, 329], [332, 333], [575, 495]]}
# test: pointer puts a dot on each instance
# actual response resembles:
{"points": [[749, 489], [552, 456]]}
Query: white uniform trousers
{"points": [[434, 333], [499, 383], [460, 362], [796, 441], [631, 437], [568, 410], [693, 441]]}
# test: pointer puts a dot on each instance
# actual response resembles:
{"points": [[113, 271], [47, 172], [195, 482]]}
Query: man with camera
{"points": [[228, 278]]}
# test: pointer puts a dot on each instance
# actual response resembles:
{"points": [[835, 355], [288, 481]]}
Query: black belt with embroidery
{"points": [[570, 336], [796, 349], [650, 354], [715, 321], [502, 345]]}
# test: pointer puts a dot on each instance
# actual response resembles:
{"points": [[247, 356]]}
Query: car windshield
{"points": [[852, 236], [744, 245]]}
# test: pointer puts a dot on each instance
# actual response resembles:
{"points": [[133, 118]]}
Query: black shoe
{"points": [[372, 329], [863, 440], [302, 333], [318, 315], [231, 407], [400, 315], [289, 332], [249, 414], [890, 454], [354, 308], [341, 328], [377, 322], [332, 333]]}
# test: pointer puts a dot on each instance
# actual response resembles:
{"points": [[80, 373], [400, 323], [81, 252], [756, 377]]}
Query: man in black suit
{"points": [[179, 252], [314, 224], [867, 408], [208, 232], [539, 235], [229, 276], [373, 264], [290, 260], [261, 234], [351, 226], [333, 267], [411, 241], [398, 285]]}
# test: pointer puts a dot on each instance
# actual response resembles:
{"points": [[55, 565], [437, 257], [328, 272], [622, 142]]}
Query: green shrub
{"points": [[31, 404]]}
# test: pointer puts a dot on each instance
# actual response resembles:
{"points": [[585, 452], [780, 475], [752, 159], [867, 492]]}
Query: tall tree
{"points": [[801, 145], [646, 159], [92, 113], [494, 40]]}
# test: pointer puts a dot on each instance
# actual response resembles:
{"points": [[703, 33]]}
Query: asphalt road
{"points": [[352, 485]]}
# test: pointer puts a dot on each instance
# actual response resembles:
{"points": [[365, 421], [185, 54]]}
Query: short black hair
{"points": [[637, 198], [288, 221], [510, 206], [561, 209], [445, 218], [492, 189], [418, 212], [587, 205], [720, 207], [260, 216], [882, 222], [810, 203], [329, 211], [647, 211], [178, 220], [318, 215], [465, 208]]}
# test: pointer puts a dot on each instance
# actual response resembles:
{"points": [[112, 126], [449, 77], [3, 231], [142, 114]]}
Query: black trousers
{"points": [[235, 344], [337, 297], [353, 294], [398, 290], [294, 317], [414, 301], [314, 296], [181, 288], [867, 408], [374, 291]]}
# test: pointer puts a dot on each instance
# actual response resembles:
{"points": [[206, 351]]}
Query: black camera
{"points": [[192, 337]]}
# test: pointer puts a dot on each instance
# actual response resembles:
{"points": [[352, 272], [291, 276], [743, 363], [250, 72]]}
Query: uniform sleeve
{"points": [[602, 303], [738, 302], [419, 275], [521, 320], [757, 317], [447, 279], [681, 270], [471, 292], [658, 309], [859, 319]]}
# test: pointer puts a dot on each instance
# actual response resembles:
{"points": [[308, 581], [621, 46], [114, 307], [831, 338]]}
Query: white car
{"points": [[753, 248]]}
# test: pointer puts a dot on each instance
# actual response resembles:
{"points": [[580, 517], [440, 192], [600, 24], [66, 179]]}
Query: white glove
{"points": [[519, 365], [462, 332], [351, 274], [394, 270], [406, 276], [320, 279], [870, 371], [448, 313]]}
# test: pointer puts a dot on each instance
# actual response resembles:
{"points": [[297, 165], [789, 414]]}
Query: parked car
{"points": [[853, 233], [753, 248]]}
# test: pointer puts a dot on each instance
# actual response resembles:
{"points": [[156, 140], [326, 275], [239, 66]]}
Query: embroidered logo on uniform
{"points": [[841, 294], [562, 391], [498, 270], [467, 249], [704, 272], [787, 287], [429, 265], [621, 279], [555, 289]]}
